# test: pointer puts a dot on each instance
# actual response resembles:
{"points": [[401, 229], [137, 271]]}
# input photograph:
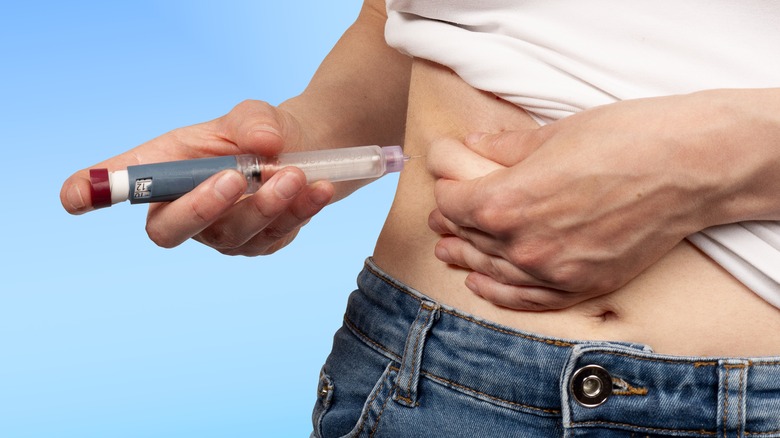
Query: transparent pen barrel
{"points": [[333, 164]]}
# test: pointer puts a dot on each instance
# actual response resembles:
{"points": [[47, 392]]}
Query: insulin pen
{"points": [[161, 182]]}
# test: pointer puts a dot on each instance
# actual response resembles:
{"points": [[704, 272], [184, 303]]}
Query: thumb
{"points": [[507, 147], [449, 158], [259, 128]]}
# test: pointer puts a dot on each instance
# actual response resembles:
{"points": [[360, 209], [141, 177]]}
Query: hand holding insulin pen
{"points": [[160, 182]]}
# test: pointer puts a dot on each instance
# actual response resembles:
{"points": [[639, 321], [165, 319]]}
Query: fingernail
{"points": [[442, 253], [475, 138], [288, 186], [229, 185], [472, 286], [75, 199]]}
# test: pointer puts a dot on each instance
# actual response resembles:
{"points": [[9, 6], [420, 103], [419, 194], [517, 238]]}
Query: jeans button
{"points": [[591, 386]]}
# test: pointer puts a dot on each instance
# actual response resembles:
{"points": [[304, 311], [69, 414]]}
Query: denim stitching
{"points": [[466, 388], [626, 389], [361, 335], [357, 332], [651, 429], [365, 337], [553, 342], [407, 400], [413, 353], [741, 402], [548, 342], [416, 344], [650, 359], [728, 368], [464, 317], [384, 406], [364, 417], [556, 343], [726, 405]]}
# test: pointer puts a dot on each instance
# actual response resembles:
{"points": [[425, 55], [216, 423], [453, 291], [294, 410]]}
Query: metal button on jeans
{"points": [[591, 386]]}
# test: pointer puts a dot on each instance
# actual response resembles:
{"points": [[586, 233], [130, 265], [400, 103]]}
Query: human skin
{"points": [[356, 97], [581, 206], [360, 95], [681, 304]]}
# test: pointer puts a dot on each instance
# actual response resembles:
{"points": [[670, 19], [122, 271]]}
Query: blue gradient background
{"points": [[103, 334]]}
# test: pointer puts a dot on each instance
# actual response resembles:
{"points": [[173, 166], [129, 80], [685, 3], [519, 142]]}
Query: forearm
{"points": [[358, 95], [741, 154], [587, 203]]}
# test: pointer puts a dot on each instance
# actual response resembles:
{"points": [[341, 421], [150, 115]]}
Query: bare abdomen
{"points": [[685, 304]]}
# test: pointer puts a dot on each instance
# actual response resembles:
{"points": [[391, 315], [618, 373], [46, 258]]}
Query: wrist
{"points": [[311, 132], [328, 122]]}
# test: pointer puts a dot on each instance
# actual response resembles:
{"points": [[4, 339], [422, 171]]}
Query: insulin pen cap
{"points": [[394, 158], [100, 187]]}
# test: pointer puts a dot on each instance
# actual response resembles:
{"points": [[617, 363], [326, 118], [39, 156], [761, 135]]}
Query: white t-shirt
{"points": [[553, 58]]}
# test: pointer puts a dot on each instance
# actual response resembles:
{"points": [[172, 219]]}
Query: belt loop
{"points": [[732, 389], [409, 374]]}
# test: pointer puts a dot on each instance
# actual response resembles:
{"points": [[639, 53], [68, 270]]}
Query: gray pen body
{"points": [[161, 182]]}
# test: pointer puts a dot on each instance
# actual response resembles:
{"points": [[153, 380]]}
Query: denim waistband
{"points": [[543, 375]]}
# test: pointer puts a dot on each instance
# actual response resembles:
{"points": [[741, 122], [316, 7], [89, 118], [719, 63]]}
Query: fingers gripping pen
{"points": [[161, 182]]}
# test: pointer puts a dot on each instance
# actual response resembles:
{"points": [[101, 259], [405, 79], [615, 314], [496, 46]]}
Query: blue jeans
{"points": [[405, 366]]}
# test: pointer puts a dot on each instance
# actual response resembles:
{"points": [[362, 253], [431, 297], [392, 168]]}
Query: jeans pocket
{"points": [[324, 397], [347, 409]]}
